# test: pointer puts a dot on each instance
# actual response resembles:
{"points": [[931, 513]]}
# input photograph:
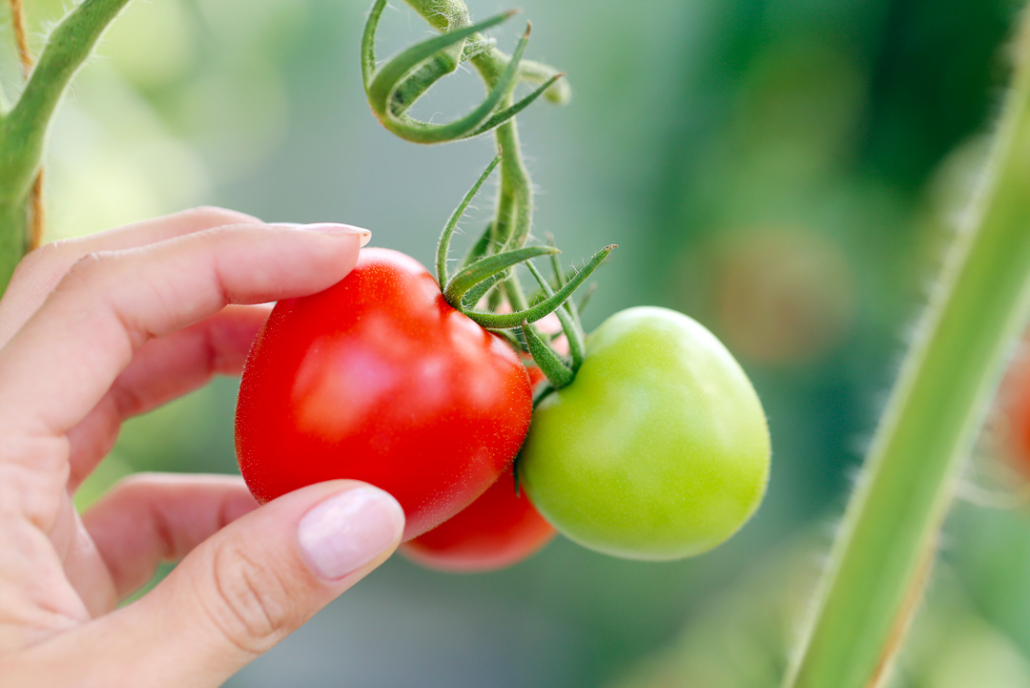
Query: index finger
{"points": [[41, 270], [60, 364]]}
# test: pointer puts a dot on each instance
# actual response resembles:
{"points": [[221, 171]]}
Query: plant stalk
{"points": [[23, 129], [888, 538], [514, 216]]}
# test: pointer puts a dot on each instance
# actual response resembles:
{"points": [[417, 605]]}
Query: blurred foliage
{"points": [[784, 171]]}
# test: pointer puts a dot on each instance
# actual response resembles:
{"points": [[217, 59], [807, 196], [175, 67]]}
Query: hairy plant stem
{"points": [[35, 202], [892, 524], [23, 129], [514, 215], [13, 244]]}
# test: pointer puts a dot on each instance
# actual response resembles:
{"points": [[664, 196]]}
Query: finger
{"points": [[240, 592], [65, 358], [150, 518], [42, 269], [161, 370]]}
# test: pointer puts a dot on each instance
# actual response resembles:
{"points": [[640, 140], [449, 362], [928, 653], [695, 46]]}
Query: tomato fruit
{"points": [[499, 529], [379, 379], [659, 449], [1016, 411]]}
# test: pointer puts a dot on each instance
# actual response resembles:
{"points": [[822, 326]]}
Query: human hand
{"points": [[98, 329]]}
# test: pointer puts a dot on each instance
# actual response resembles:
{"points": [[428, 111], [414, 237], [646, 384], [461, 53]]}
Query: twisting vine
{"points": [[23, 128], [37, 218], [486, 271], [885, 551]]}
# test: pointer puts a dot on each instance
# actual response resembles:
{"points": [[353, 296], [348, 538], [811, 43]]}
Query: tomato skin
{"points": [[499, 529], [659, 449], [1016, 411], [379, 379]]}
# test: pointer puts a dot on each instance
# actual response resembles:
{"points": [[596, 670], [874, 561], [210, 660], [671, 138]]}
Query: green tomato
{"points": [[659, 449]]}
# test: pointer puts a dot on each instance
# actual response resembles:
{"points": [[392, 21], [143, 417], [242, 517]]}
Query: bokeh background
{"points": [[788, 172]]}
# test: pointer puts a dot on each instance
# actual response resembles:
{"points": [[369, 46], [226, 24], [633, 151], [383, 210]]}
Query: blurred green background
{"points": [[786, 172]]}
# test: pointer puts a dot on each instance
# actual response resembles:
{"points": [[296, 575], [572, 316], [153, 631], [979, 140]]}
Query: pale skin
{"points": [[98, 329]]}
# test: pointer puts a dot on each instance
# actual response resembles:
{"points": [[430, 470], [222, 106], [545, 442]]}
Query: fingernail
{"points": [[332, 228], [347, 531]]}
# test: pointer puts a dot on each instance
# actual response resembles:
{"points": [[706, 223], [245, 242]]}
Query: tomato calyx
{"points": [[482, 270], [488, 269]]}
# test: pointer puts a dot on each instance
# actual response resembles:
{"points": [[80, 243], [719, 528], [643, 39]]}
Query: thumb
{"points": [[255, 582]]}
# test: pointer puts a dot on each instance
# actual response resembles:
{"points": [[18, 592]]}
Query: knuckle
{"points": [[87, 268], [252, 604]]}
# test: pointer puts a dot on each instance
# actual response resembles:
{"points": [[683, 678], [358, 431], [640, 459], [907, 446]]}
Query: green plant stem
{"points": [[888, 538], [515, 200], [23, 129], [12, 243]]}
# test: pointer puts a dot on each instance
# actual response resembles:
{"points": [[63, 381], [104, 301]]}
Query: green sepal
{"points": [[485, 268], [473, 295], [551, 365], [509, 112], [501, 321], [569, 324], [443, 246]]}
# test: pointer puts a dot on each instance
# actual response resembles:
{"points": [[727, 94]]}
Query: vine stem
{"points": [[23, 129], [885, 548], [21, 37], [514, 216], [37, 217]]}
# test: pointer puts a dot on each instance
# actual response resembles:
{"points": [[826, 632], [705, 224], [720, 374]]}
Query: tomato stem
{"points": [[393, 88], [893, 521], [23, 128]]}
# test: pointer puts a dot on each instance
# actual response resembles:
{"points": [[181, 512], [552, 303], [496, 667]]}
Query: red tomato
{"points": [[497, 530], [1017, 410], [379, 379]]}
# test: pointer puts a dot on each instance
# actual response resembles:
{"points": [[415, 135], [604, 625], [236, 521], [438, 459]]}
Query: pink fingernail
{"points": [[345, 532], [335, 228], [330, 228]]}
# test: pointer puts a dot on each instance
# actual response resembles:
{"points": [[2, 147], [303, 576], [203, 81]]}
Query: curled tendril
{"points": [[398, 84], [487, 272]]}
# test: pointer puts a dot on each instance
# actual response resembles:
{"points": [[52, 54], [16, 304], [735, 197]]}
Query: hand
{"points": [[98, 329]]}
